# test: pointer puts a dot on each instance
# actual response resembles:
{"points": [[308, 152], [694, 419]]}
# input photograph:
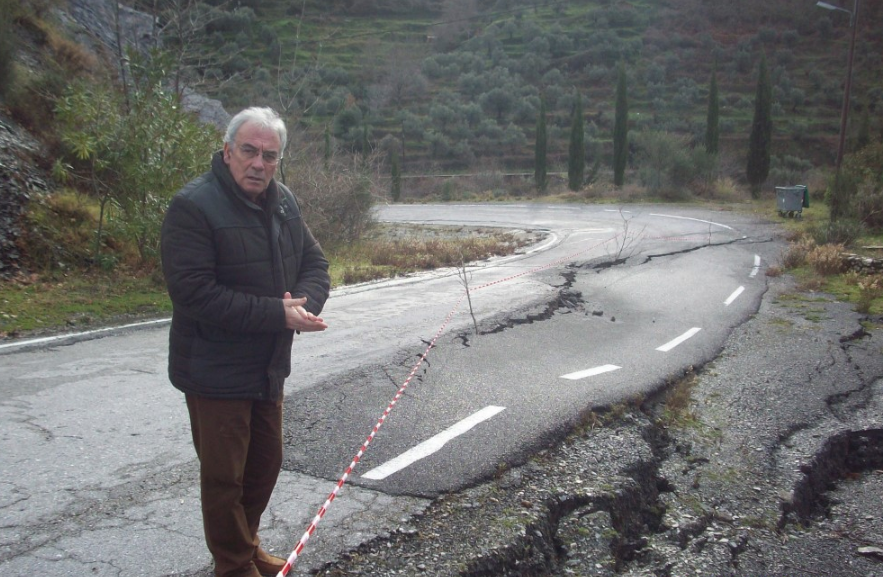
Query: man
{"points": [[243, 273]]}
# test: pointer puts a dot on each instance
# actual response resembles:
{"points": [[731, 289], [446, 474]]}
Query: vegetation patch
{"points": [[57, 300]]}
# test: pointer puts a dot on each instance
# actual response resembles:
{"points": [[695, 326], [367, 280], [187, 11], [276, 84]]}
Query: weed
{"points": [[869, 290], [826, 259], [797, 252], [677, 409], [783, 324]]}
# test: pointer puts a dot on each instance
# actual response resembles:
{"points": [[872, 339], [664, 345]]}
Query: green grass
{"points": [[54, 301]]}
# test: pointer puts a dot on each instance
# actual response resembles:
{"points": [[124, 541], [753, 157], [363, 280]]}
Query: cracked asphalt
{"points": [[774, 468], [771, 468]]}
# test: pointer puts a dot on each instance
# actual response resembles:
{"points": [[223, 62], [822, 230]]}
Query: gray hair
{"points": [[264, 117]]}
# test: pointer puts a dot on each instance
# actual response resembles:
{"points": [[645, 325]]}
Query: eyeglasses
{"points": [[250, 153]]}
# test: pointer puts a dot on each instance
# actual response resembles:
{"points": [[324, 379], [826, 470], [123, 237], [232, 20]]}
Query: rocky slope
{"points": [[23, 158]]}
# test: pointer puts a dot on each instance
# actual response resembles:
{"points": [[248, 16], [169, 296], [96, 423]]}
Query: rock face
{"points": [[93, 23], [19, 181], [209, 110]]}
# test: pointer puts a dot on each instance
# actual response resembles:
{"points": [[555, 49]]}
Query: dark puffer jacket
{"points": [[227, 263]]}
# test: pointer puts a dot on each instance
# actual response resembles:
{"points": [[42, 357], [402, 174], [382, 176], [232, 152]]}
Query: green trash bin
{"points": [[805, 195]]}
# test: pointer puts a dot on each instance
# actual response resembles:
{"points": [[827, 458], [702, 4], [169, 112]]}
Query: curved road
{"points": [[99, 475]]}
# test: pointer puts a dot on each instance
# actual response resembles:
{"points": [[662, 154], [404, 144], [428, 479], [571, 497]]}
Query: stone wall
{"points": [[863, 264]]}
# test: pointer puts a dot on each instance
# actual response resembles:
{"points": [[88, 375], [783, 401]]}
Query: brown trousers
{"points": [[239, 446]]}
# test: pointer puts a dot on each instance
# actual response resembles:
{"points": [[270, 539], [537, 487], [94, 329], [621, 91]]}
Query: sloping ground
{"points": [[20, 179]]}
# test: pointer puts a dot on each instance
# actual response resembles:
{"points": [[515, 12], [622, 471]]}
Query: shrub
{"points": [[797, 252], [868, 204], [869, 289], [788, 170], [841, 231], [862, 180], [826, 259], [103, 143], [666, 163], [335, 194]]}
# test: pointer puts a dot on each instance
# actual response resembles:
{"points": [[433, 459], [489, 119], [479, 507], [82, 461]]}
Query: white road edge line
{"points": [[431, 445], [672, 344], [756, 268], [66, 336], [590, 372], [693, 219], [734, 296]]}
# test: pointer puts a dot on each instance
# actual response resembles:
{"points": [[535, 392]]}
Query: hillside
{"points": [[458, 83], [453, 86]]}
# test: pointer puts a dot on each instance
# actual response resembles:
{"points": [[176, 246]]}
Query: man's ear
{"points": [[227, 153]]}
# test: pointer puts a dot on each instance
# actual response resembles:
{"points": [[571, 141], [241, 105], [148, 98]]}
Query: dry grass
{"points": [[396, 251], [826, 259], [678, 408], [728, 190], [797, 252], [869, 289], [774, 271]]}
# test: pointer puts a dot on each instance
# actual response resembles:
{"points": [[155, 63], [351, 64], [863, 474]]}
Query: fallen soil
{"points": [[767, 461]]}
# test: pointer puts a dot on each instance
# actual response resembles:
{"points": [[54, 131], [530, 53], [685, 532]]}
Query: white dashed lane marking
{"points": [[590, 372], [673, 343], [756, 268], [734, 296], [431, 445]]}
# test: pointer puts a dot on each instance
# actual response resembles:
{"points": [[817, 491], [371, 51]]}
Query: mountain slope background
{"points": [[457, 84], [434, 88]]}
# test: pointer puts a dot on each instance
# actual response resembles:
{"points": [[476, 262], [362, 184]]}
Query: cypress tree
{"points": [[620, 130], [396, 174], [712, 123], [539, 170], [760, 140], [328, 149], [576, 157]]}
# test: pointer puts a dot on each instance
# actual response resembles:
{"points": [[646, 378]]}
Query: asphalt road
{"points": [[99, 477]]}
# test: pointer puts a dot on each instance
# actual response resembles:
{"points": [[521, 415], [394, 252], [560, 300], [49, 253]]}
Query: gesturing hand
{"points": [[298, 318]]}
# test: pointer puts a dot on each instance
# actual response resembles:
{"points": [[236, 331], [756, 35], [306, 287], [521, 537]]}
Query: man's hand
{"points": [[298, 318]]}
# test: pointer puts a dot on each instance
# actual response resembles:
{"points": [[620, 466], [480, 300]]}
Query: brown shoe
{"points": [[268, 564]]}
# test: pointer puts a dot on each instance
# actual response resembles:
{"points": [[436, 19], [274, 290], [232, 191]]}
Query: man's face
{"points": [[246, 156]]}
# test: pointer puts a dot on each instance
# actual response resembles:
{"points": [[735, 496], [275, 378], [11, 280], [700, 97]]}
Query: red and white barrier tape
{"points": [[312, 528], [289, 563]]}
